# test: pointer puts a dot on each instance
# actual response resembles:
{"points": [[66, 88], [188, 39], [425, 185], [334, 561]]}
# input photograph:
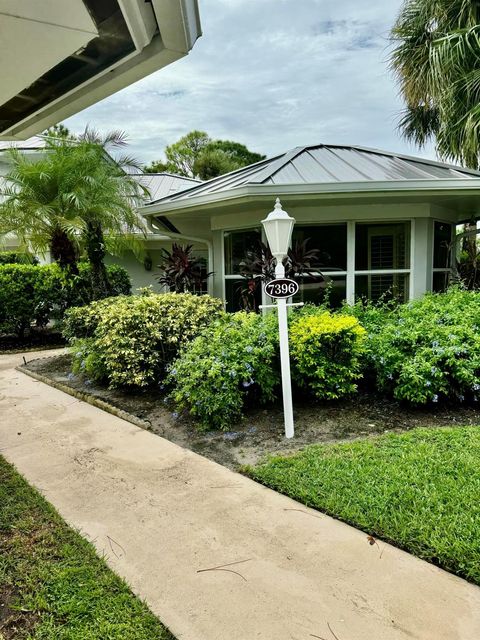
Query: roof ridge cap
{"points": [[281, 160]]}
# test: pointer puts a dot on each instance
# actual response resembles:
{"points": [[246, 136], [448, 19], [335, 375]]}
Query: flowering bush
{"points": [[325, 350], [429, 349], [87, 361], [132, 338], [231, 362]]}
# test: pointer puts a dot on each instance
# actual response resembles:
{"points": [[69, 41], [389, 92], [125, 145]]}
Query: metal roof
{"points": [[36, 142], [161, 185], [327, 164]]}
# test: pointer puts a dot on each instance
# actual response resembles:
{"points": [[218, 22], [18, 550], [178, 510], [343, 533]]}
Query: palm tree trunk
{"points": [[63, 251], [96, 255]]}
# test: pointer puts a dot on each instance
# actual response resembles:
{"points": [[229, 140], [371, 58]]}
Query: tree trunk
{"points": [[96, 255], [63, 251]]}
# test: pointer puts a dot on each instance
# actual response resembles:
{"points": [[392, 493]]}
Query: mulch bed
{"points": [[261, 431], [35, 340]]}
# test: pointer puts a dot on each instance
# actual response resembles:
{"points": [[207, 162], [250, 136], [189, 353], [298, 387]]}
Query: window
{"points": [[385, 286], [382, 248], [442, 239], [329, 239], [315, 290], [237, 244], [442, 246], [240, 293], [377, 267]]}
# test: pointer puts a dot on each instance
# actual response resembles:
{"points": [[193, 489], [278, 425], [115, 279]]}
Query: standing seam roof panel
{"points": [[323, 164]]}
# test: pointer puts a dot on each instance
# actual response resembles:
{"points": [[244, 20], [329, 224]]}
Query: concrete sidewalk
{"points": [[162, 515]]}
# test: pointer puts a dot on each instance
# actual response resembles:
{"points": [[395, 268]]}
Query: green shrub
{"points": [[80, 289], [134, 337], [119, 279], [34, 294], [429, 349], [372, 315], [325, 351], [230, 362], [17, 257], [28, 295]]}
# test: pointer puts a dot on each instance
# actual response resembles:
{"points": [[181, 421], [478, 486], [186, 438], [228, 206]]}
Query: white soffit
{"points": [[35, 35], [58, 57]]}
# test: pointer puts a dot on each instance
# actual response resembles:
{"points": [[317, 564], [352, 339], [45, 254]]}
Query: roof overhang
{"points": [[58, 57], [456, 194]]}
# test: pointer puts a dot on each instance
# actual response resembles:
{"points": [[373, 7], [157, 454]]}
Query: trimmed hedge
{"points": [[28, 295], [32, 295], [17, 257]]}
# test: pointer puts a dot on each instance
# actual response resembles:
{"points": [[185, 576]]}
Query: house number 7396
{"points": [[281, 288]]}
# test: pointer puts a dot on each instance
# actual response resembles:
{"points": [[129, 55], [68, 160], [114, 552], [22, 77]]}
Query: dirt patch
{"points": [[14, 623], [261, 431]]}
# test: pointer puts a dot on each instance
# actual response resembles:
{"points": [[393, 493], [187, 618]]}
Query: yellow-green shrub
{"points": [[132, 338], [325, 351], [81, 322]]}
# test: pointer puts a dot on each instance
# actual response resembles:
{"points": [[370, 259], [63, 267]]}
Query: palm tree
{"points": [[77, 197], [436, 62], [108, 196], [38, 207]]}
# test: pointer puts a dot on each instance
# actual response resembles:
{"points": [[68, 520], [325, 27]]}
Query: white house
{"points": [[382, 222]]}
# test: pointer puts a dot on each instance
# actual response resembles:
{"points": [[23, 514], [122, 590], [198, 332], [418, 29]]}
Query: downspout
{"points": [[180, 236]]}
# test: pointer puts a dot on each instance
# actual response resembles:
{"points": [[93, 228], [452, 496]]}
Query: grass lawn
{"points": [[419, 490], [52, 584]]}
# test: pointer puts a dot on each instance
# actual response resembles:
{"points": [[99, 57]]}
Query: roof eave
{"points": [[325, 190]]}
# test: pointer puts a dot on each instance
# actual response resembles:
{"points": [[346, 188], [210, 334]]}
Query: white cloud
{"points": [[273, 74]]}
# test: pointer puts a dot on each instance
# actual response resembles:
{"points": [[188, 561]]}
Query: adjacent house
{"points": [[159, 185], [383, 223]]}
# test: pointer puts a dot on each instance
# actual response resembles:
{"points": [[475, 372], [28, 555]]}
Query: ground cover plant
{"points": [[52, 584], [128, 341], [417, 490]]}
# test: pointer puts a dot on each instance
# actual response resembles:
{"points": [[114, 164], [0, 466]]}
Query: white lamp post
{"points": [[278, 227]]}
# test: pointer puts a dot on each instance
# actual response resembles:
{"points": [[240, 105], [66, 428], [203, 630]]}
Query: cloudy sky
{"points": [[273, 74]]}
